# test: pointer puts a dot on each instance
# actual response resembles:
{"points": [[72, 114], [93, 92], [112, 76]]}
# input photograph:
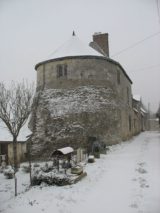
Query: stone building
{"points": [[140, 116], [82, 96]]}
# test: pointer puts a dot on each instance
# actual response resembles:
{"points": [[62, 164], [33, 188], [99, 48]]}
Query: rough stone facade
{"points": [[92, 99], [71, 118]]}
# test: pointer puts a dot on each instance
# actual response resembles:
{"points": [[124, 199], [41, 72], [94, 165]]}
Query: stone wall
{"points": [[71, 118], [81, 71], [93, 100]]}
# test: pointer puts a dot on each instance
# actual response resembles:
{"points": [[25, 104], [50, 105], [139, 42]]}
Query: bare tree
{"points": [[15, 107]]}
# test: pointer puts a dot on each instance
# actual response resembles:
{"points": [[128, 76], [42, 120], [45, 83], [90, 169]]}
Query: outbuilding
{"points": [[6, 144]]}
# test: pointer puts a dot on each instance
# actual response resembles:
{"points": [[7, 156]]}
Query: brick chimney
{"points": [[100, 43]]}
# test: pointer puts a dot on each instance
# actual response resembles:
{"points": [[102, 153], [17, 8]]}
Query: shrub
{"points": [[9, 173], [36, 165], [47, 168], [26, 168], [51, 178]]}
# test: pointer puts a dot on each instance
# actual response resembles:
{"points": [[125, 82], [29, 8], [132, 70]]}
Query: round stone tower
{"points": [[79, 91]]}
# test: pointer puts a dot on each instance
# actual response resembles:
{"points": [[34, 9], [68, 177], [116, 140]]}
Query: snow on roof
{"points": [[5, 135], [74, 47], [64, 151], [137, 97], [135, 109], [143, 110]]}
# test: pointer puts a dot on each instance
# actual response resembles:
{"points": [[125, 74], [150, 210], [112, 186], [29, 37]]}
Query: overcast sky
{"points": [[30, 30]]}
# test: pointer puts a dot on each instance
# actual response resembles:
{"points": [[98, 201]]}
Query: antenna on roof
{"points": [[73, 34]]}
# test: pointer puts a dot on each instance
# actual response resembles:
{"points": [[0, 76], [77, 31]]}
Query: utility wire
{"points": [[146, 68], [135, 44]]}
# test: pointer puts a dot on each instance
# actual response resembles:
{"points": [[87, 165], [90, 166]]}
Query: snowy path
{"points": [[126, 180]]}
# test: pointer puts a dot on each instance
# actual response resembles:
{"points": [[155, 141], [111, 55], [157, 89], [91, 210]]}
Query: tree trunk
{"points": [[15, 184], [15, 164]]}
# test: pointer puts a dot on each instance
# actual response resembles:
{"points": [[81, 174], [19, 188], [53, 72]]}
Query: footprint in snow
{"points": [[134, 179], [143, 182], [141, 170], [142, 164], [134, 205], [143, 185]]}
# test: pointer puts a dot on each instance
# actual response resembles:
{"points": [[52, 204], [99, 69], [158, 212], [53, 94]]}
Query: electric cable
{"points": [[135, 44], [146, 68]]}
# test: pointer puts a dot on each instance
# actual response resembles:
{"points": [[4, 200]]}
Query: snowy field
{"points": [[126, 180]]}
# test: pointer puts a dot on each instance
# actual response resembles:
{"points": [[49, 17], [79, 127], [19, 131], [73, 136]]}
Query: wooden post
{"points": [[15, 181]]}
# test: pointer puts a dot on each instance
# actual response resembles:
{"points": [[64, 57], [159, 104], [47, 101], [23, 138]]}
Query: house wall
{"points": [[81, 71], [21, 150], [140, 118], [125, 99], [137, 128]]}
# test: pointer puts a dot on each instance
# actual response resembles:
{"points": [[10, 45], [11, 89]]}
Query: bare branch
{"points": [[15, 105]]}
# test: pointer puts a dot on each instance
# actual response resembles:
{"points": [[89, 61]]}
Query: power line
{"points": [[146, 68], [135, 44]]}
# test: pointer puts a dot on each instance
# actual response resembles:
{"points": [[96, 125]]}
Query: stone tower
{"points": [[80, 94]]}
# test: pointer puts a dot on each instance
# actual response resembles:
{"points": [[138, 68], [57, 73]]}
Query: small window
{"points": [[118, 77], [61, 70]]}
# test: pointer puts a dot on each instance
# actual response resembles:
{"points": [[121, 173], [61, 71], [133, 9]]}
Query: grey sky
{"points": [[30, 30]]}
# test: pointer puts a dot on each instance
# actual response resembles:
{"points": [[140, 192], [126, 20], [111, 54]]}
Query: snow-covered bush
{"points": [[1, 169], [51, 178], [26, 168], [47, 167], [9, 173], [36, 165], [107, 148]]}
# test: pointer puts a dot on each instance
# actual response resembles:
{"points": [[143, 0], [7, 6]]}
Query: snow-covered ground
{"points": [[126, 180]]}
